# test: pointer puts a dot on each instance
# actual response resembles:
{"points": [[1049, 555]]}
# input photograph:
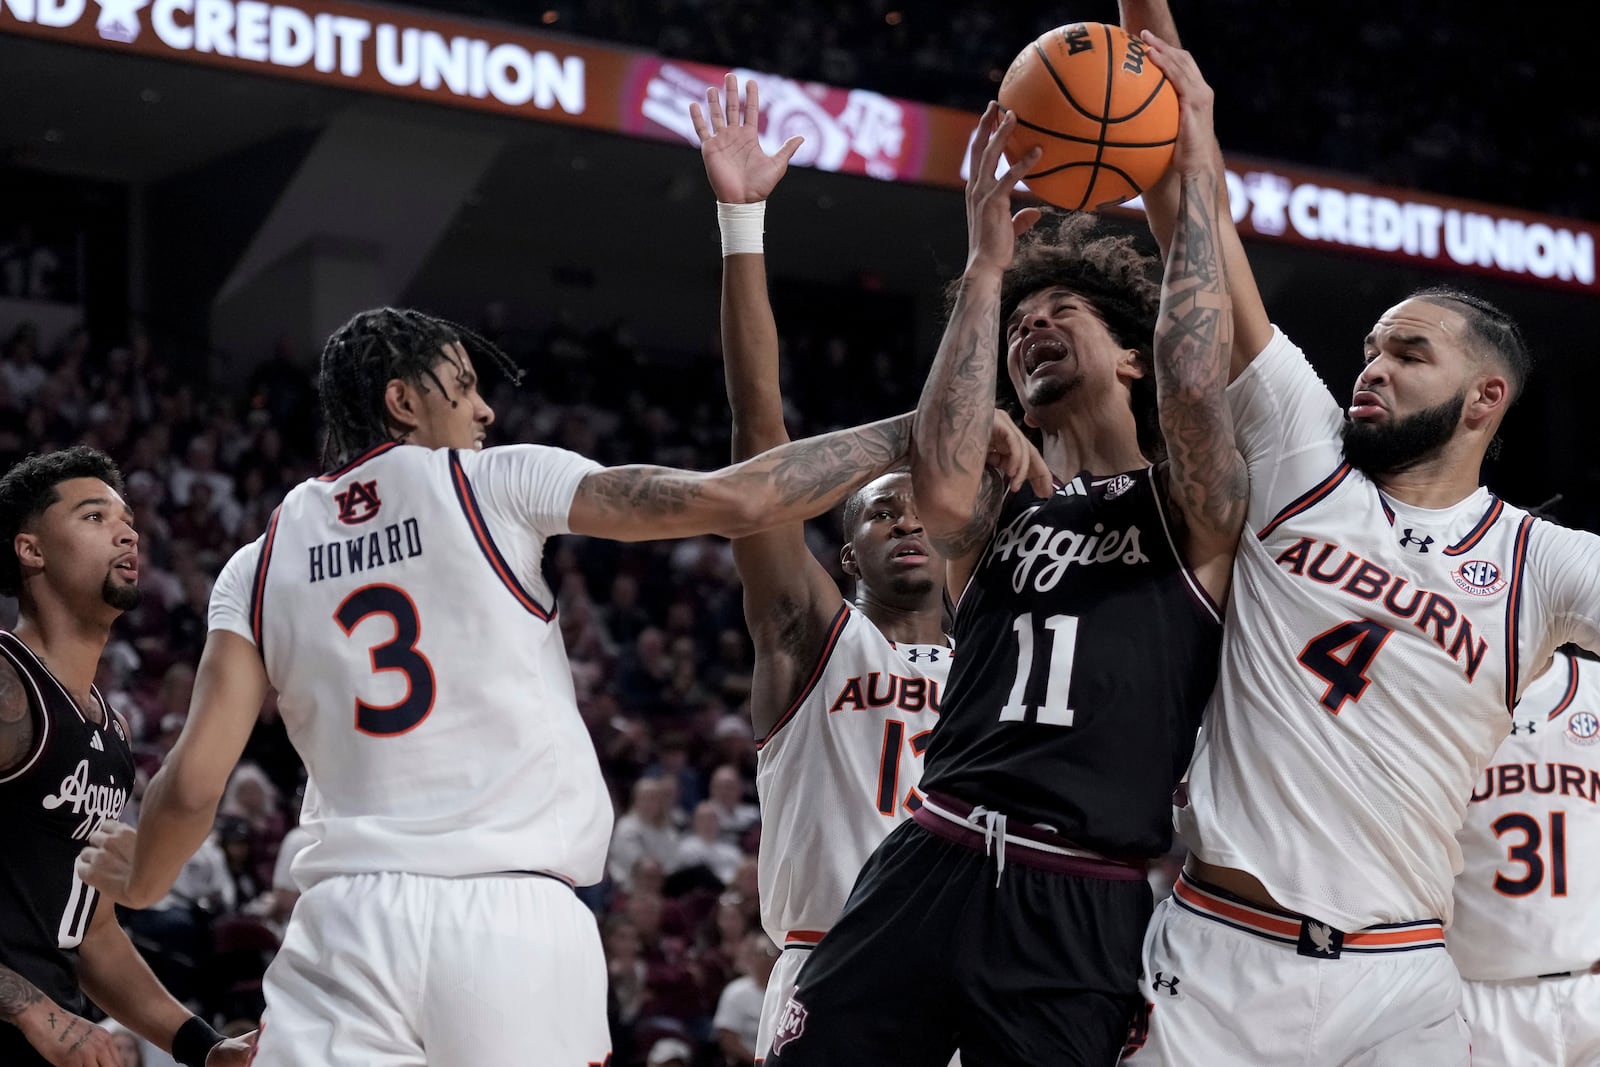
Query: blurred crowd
{"points": [[1426, 94], [659, 651]]}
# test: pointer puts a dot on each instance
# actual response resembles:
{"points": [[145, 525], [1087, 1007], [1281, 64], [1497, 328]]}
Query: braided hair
{"points": [[375, 347], [1490, 331]]}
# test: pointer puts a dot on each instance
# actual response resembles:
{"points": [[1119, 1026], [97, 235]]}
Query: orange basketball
{"points": [[1099, 107]]}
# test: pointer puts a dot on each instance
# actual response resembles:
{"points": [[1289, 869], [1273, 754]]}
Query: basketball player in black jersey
{"points": [[1015, 903], [71, 557]]}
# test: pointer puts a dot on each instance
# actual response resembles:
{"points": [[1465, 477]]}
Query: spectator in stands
{"points": [[705, 846], [739, 1008], [728, 801], [646, 830]]}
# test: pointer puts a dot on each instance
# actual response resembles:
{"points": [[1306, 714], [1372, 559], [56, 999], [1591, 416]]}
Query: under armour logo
{"points": [[1320, 941], [358, 503], [915, 655], [1522, 727], [1169, 986], [1410, 538]]}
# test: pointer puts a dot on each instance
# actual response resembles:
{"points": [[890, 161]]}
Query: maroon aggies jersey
{"points": [[1088, 651], [78, 775]]}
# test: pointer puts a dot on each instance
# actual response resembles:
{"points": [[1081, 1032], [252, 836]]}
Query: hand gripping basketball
{"points": [[992, 230], [1196, 151]]}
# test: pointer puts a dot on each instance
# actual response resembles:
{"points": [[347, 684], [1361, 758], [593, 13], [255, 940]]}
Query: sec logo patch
{"points": [[1583, 728]]}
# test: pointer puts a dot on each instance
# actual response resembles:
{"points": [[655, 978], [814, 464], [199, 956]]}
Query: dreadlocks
{"points": [[375, 347], [1108, 271]]}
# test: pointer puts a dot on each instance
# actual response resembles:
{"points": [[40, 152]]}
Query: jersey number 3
{"points": [[399, 653]]}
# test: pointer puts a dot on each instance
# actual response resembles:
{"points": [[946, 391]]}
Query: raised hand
{"points": [[740, 171], [1197, 151], [992, 230], [1013, 455]]}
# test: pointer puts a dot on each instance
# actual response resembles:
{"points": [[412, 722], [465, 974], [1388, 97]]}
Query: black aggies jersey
{"points": [[1088, 653], [78, 775]]}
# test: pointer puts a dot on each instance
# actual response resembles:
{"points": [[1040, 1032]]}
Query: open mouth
{"points": [[1043, 350], [909, 553], [128, 567]]}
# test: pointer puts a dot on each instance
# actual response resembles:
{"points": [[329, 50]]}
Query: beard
{"points": [[122, 596], [908, 588], [1373, 448]]}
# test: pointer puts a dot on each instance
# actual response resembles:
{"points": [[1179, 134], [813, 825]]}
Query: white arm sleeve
{"points": [[1287, 425], [527, 486], [1563, 591], [230, 596]]}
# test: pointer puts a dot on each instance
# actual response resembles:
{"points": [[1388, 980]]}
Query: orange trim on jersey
{"points": [[371, 453], [1519, 557], [480, 530], [1476, 534], [1407, 935], [1306, 500], [802, 938], [1572, 689], [258, 589], [835, 628], [1286, 928]]}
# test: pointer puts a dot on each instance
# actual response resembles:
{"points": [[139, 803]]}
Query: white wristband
{"points": [[741, 226]]}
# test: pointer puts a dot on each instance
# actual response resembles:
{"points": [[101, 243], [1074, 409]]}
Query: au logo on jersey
{"points": [[1583, 728], [358, 503], [1478, 577]]}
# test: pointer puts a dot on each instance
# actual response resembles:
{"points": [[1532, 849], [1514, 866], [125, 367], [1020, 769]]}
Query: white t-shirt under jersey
{"points": [[1528, 897], [400, 611], [1372, 653], [839, 770]]}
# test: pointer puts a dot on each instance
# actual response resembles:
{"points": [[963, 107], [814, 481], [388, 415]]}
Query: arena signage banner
{"points": [[504, 70]]}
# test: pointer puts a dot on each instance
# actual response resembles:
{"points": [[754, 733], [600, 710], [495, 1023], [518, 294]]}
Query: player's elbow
{"points": [[736, 510]]}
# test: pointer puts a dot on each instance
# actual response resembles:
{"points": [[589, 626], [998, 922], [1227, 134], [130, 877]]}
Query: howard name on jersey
{"points": [[1526, 898], [400, 610], [1087, 653], [840, 769]]}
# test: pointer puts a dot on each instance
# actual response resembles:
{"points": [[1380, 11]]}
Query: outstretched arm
{"points": [[957, 501], [789, 598], [1252, 327], [1206, 476], [180, 806]]}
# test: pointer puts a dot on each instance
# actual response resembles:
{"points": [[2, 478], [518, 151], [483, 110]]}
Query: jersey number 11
{"points": [[1057, 707]]}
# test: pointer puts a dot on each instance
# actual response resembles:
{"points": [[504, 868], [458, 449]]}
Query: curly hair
{"points": [[375, 347], [1123, 284], [29, 488]]}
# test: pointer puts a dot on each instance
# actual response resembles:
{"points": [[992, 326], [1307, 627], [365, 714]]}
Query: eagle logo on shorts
{"points": [[790, 1025], [358, 502]]}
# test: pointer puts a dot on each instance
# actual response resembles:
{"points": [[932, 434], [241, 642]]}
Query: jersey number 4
{"points": [[399, 654], [1341, 656]]}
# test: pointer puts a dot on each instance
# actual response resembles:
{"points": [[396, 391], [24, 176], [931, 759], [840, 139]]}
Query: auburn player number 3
{"points": [[399, 653]]}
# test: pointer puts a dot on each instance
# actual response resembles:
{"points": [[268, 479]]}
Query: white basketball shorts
{"points": [[403, 970], [1534, 1022], [1229, 983]]}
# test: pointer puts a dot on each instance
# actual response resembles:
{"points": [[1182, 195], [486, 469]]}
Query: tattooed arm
{"points": [[955, 414], [62, 1038], [1252, 326], [1205, 477], [17, 729], [782, 485]]}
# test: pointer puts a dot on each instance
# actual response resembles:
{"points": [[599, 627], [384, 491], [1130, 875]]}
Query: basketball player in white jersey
{"points": [[846, 695], [397, 606], [1387, 613], [1527, 933]]}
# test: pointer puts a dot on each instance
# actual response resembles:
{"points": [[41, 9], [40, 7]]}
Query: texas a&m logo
{"points": [[791, 1024], [358, 503]]}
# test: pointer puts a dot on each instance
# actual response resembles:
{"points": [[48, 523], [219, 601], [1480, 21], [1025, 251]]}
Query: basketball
{"points": [[1103, 113]]}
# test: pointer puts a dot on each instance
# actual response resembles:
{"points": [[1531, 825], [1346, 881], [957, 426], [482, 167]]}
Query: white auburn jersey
{"points": [[399, 608], [840, 769], [1372, 654], [1526, 900]]}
